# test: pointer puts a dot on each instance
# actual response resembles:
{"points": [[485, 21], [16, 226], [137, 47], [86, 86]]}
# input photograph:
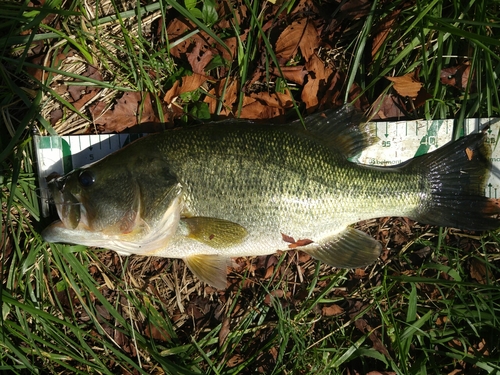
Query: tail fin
{"points": [[457, 175]]}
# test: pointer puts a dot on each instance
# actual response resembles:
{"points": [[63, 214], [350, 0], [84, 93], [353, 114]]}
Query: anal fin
{"points": [[211, 269], [350, 248]]}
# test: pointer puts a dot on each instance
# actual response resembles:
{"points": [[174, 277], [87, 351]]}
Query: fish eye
{"points": [[86, 178]]}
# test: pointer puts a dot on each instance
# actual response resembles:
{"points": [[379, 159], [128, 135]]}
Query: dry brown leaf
{"points": [[124, 342], [40, 74], [85, 99], [388, 106], [232, 44], [276, 100], [156, 333], [441, 320], [378, 345], [125, 113], [230, 14], [235, 360], [198, 59], [269, 272], [481, 347], [55, 115], [331, 93], [300, 34], [255, 109], [470, 153], [274, 294], [355, 9], [458, 77], [407, 85], [383, 29], [305, 6], [332, 310], [287, 238], [304, 257], [178, 28], [318, 75], [77, 92], [301, 242], [295, 74], [478, 271], [189, 83], [230, 96], [224, 330]]}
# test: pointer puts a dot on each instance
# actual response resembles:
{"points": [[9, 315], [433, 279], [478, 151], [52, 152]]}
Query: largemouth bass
{"points": [[230, 189]]}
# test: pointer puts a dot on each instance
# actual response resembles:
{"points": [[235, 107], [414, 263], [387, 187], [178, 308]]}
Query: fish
{"points": [[233, 188]]}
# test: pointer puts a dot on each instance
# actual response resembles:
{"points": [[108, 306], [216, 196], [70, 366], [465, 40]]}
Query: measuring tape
{"points": [[397, 142]]}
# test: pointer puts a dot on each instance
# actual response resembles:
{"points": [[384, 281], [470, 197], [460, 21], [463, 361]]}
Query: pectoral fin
{"points": [[216, 233], [350, 248], [211, 269]]}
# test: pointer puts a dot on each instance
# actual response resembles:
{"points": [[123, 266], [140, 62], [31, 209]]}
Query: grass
{"points": [[429, 306]]}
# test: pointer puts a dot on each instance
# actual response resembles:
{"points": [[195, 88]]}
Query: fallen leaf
{"points": [[124, 342], [55, 115], [388, 107], [421, 98], [235, 360], [407, 85], [355, 9], [274, 294], [330, 95], [478, 271], [231, 12], [304, 257], [383, 29], [302, 242], [317, 80], [177, 29], [470, 153], [46, 60], [77, 91], [305, 6], [269, 272], [228, 94], [295, 74], [156, 333], [131, 109], [224, 330], [332, 310], [300, 34], [287, 238], [276, 100], [188, 83], [441, 320], [198, 59], [258, 109], [458, 77], [232, 44], [481, 347], [374, 334]]}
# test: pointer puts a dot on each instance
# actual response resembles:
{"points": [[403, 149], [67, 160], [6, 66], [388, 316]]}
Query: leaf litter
{"points": [[304, 42]]}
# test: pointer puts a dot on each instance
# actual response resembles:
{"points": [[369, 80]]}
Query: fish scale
{"points": [[282, 184]]}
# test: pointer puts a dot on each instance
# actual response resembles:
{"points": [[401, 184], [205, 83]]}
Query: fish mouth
{"points": [[69, 208]]}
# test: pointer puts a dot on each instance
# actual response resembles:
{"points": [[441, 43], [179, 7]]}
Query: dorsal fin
{"points": [[343, 129]]}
